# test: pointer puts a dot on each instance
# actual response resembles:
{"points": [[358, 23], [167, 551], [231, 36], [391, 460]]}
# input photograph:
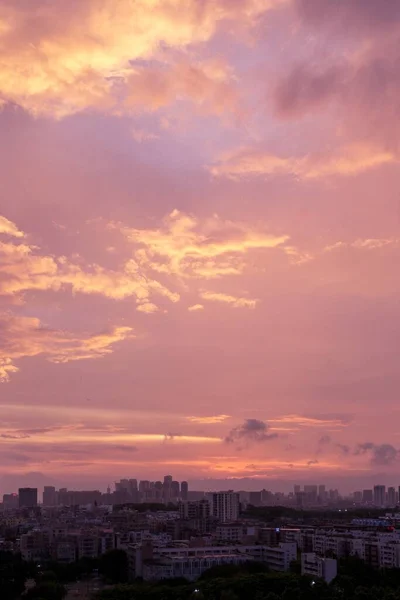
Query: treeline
{"points": [[272, 513], [356, 581]]}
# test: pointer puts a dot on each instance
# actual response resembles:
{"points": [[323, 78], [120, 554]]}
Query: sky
{"points": [[199, 242]]}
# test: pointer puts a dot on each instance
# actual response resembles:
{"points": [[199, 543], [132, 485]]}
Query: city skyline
{"points": [[199, 240]]}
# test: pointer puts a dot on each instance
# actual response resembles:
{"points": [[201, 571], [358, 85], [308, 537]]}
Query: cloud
{"points": [[183, 248], [381, 454], [59, 58], [252, 430], [148, 307], [195, 308], [365, 244], [188, 247], [9, 228], [210, 85], [360, 81], [312, 462], [343, 448], [345, 161], [27, 337], [208, 420], [358, 16], [314, 420], [227, 299]]}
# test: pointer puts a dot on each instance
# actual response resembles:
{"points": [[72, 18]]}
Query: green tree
{"points": [[114, 566]]}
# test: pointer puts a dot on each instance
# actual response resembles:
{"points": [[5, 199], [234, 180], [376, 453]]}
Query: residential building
{"points": [[379, 495], [322, 568], [225, 506], [184, 490], [28, 497]]}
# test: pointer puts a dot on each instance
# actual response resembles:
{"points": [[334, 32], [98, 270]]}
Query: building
{"points": [[186, 561], [230, 532], [368, 496], [49, 496], [28, 497], [391, 497], [10, 501], [255, 498], [184, 490], [379, 495], [322, 568], [225, 506], [199, 509]]}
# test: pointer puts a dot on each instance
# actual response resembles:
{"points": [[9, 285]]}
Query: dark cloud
{"points": [[312, 462], [364, 82], [343, 448], [324, 440], [168, 437], [359, 16], [381, 454], [252, 430], [303, 89], [123, 448]]}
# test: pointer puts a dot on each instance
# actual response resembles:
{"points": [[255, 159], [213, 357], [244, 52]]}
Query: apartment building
{"points": [[318, 567]]}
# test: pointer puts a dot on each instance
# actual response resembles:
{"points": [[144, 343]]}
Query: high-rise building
{"points": [[167, 488], [297, 489], [184, 490], [175, 490], [199, 509], [10, 501], [391, 497], [49, 496], [379, 495], [358, 496], [255, 498], [225, 506], [368, 496], [28, 497]]}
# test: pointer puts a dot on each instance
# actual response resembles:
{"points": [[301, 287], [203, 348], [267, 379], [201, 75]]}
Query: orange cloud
{"points": [[185, 247], [209, 420], [27, 337], [195, 308], [188, 247], [227, 299], [59, 58], [209, 84], [9, 228], [312, 421], [346, 161]]}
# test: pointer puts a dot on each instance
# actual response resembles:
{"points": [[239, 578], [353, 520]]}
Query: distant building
{"points": [[322, 568], [10, 501], [391, 497], [255, 498], [368, 496], [379, 495], [28, 497], [184, 490], [49, 496], [225, 506]]}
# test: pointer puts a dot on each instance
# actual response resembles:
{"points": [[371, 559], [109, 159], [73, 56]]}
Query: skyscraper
{"points": [[49, 495], [225, 506], [28, 497], [391, 497], [379, 495], [184, 490]]}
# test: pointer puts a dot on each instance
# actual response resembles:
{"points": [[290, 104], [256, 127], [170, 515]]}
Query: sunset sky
{"points": [[199, 241]]}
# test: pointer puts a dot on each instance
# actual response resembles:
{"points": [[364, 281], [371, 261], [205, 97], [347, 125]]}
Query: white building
{"points": [[225, 506], [151, 562], [322, 568]]}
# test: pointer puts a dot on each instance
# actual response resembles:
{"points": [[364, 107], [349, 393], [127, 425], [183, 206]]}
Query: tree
{"points": [[114, 566]]}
